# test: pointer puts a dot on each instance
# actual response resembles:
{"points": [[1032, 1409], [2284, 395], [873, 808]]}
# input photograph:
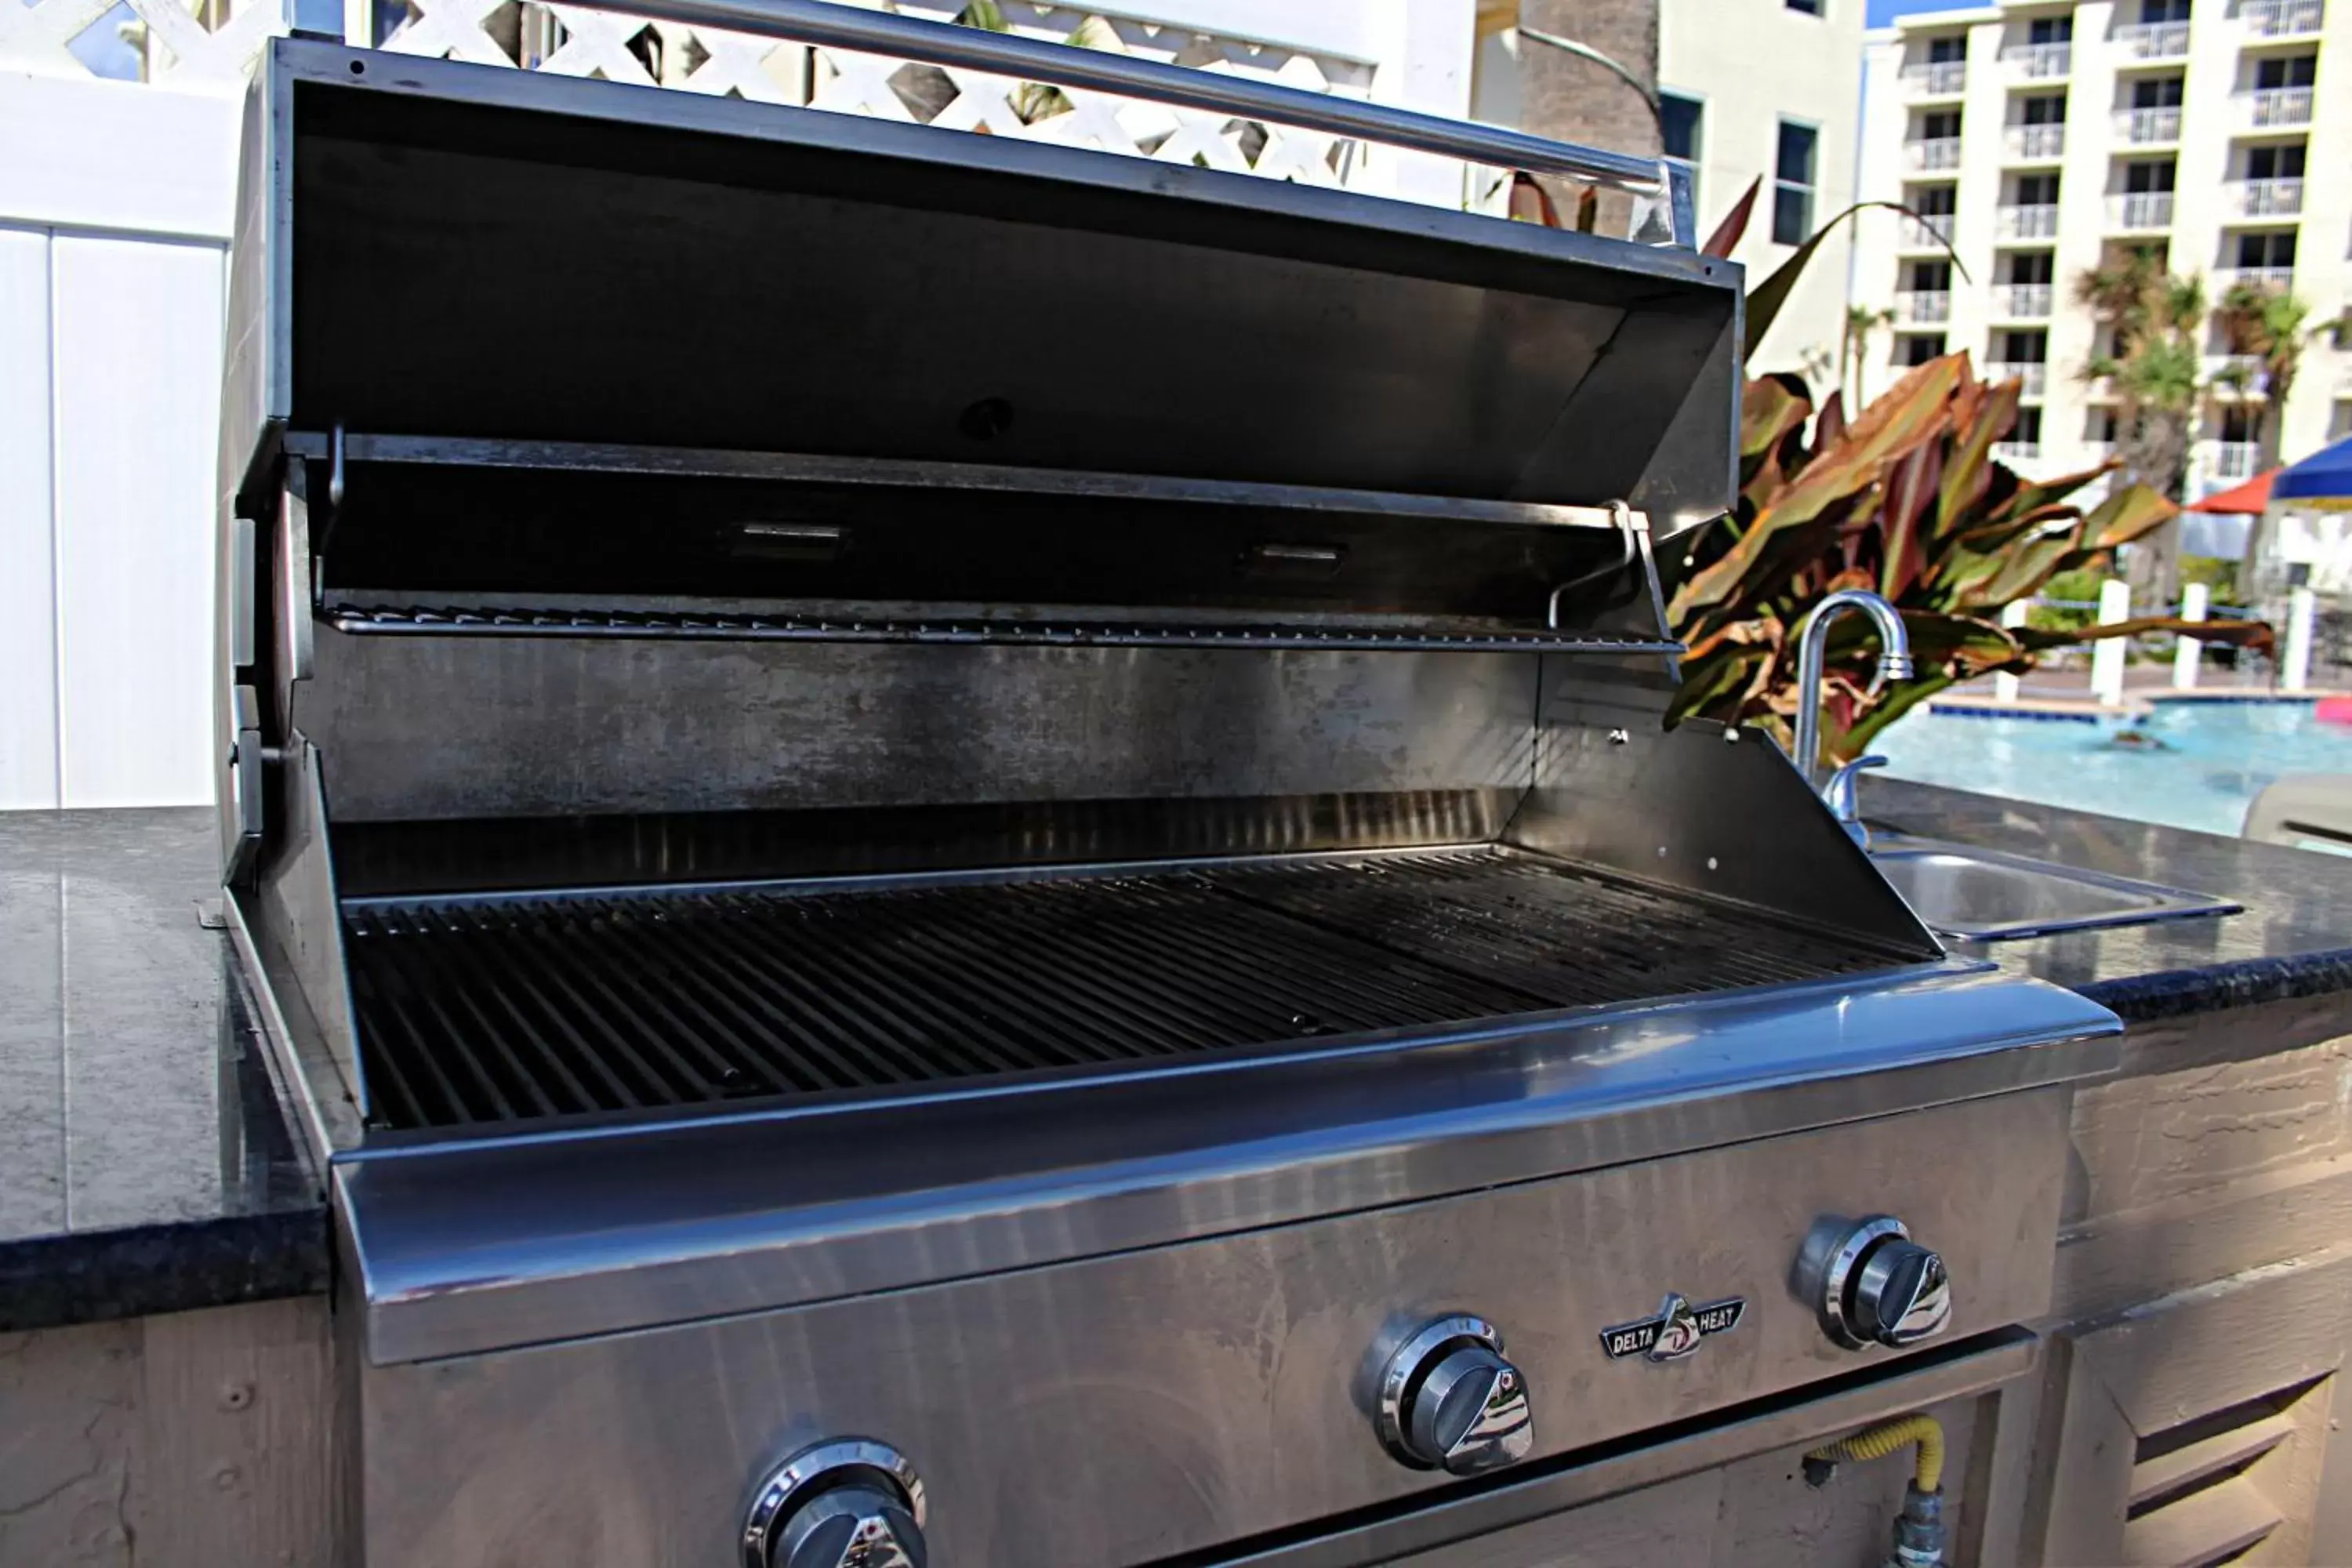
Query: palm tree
{"points": [[2271, 326], [1853, 348], [2152, 319]]}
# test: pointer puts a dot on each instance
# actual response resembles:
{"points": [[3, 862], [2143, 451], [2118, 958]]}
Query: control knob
{"points": [[1877, 1286], [1449, 1401], [852, 1503]]}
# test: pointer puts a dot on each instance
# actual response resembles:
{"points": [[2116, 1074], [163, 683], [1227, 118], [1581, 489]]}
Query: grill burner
{"points": [[474, 1010]]}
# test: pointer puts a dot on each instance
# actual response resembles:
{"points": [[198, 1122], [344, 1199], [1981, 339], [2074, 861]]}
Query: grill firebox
{"points": [[482, 1010]]}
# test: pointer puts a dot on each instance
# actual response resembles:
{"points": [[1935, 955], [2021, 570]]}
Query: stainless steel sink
{"points": [[1987, 896]]}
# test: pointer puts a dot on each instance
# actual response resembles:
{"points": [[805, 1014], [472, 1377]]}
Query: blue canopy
{"points": [[2322, 480]]}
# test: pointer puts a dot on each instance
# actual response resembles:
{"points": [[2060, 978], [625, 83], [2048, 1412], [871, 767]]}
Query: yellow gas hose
{"points": [[1877, 1442]]}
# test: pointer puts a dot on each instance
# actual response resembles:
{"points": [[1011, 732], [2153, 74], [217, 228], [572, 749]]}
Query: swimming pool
{"points": [[2217, 757]]}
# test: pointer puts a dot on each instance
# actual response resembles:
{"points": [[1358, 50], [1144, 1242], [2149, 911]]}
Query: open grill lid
{"points": [[466, 259]]}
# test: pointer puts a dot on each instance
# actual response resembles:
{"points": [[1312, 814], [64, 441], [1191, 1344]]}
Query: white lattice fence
{"points": [[214, 45]]}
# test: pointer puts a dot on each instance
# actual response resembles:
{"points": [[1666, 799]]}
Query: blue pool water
{"points": [[2219, 756]]}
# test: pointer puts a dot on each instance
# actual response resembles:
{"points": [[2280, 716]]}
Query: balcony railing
{"points": [[2282, 19], [2022, 302], [2039, 60], [2148, 127], [1933, 232], [1923, 306], [2140, 209], [2234, 459], [2280, 278], [1933, 152], [2154, 40], [2038, 222], [1930, 78], [2037, 141], [2034, 373], [2270, 198], [2017, 451], [2274, 106]]}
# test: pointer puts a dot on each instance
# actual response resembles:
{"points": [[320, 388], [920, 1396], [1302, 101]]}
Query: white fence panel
{"points": [[137, 402], [29, 670]]}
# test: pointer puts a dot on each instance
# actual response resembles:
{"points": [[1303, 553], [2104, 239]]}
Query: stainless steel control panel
{"points": [[1130, 1407]]}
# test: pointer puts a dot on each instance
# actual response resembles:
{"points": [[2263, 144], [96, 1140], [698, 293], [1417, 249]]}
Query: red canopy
{"points": [[2253, 496]]}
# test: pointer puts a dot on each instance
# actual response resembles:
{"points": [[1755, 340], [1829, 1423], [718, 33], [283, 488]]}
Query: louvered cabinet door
{"points": [[2196, 1429]]}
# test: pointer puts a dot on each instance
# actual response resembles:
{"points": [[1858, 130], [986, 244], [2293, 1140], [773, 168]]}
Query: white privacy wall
{"points": [[114, 208], [115, 203]]}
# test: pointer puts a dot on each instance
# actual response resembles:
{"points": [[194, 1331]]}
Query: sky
{"points": [[1881, 12]]}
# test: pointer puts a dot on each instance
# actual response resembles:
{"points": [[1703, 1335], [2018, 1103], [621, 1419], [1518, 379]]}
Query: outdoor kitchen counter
{"points": [[2294, 939], [146, 1163]]}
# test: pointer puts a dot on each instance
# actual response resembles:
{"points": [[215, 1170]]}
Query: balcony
{"points": [[2034, 374], [2021, 302], [2038, 61], [1923, 307], [1933, 232], [2153, 41], [2277, 278], [2036, 141], [2282, 19], [2271, 107], [2027, 223], [1936, 78], [2148, 127], [2268, 198], [2135, 211], [1933, 152], [2017, 451], [2233, 460]]}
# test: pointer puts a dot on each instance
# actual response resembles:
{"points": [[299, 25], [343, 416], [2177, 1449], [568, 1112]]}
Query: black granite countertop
{"points": [[2293, 938], [146, 1161], [146, 1158]]}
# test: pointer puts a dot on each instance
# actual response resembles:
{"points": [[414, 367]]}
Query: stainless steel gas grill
{"points": [[1026, 902]]}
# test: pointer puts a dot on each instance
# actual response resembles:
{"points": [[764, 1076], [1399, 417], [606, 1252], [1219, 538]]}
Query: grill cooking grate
{"points": [[474, 1010]]}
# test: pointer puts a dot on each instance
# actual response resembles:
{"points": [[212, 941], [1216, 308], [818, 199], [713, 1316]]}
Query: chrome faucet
{"points": [[1894, 664]]}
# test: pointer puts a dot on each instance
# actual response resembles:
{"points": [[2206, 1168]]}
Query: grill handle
{"points": [[1663, 212]]}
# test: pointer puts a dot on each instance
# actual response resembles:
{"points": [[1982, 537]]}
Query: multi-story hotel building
{"points": [[2040, 137]]}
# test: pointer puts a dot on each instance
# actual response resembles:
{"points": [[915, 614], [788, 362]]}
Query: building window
{"points": [[2051, 30], [2283, 163], [1930, 276], [2028, 433], [2036, 191], [1940, 125], [2237, 427], [2023, 348], [1933, 201], [1680, 120], [1810, 8], [2050, 108], [2099, 426], [2163, 10], [2271, 248], [1949, 49], [2031, 266], [2148, 176], [2340, 426], [1917, 348], [2285, 71], [2156, 93], [1792, 188]]}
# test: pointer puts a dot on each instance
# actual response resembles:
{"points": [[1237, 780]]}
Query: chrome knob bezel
{"points": [[1845, 1271], [784, 1489], [1420, 1353]]}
